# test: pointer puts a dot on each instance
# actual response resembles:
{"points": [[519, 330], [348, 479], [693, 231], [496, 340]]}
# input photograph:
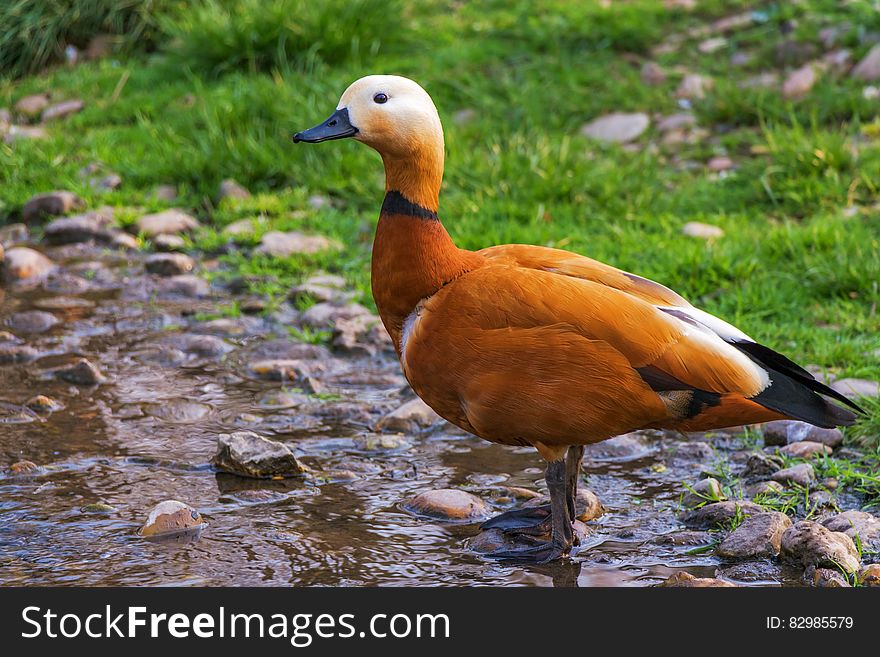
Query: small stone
{"points": [[411, 417], [23, 132], [627, 447], [857, 525], [91, 226], [870, 575], [11, 354], [679, 121], [705, 490], [653, 74], [718, 514], [805, 449], [810, 544], [81, 372], [801, 475], [325, 315], [31, 106], [587, 505], [838, 60], [165, 193], [868, 68], [619, 127], [229, 188], [171, 517], [762, 465], [97, 507], [62, 110], [799, 82], [826, 578], [711, 45], [281, 370], [851, 388], [379, 443], [32, 321], [694, 87], [741, 59], [447, 504], [686, 580], [43, 404], [171, 221], [240, 227], [13, 234], [784, 432], [765, 80], [106, 183], [321, 288], [361, 333], [720, 163], [168, 242], [169, 264], [759, 536], [187, 285], [50, 204], [763, 488], [871, 92], [248, 454], [702, 231], [282, 245], [24, 467]]}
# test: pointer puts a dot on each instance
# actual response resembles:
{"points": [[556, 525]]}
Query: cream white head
{"points": [[396, 117]]}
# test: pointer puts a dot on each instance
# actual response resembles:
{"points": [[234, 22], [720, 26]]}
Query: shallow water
{"points": [[150, 432]]}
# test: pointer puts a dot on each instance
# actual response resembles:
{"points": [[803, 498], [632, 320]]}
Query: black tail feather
{"points": [[795, 392]]}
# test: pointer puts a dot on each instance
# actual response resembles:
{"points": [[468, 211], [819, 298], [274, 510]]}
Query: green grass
{"points": [[797, 268]]}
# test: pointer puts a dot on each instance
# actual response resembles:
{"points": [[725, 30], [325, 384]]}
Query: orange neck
{"points": [[416, 172]]}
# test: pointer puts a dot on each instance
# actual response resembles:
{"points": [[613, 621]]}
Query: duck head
{"points": [[397, 118]]}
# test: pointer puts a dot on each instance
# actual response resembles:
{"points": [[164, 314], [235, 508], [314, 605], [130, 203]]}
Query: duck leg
{"points": [[561, 534], [535, 520]]}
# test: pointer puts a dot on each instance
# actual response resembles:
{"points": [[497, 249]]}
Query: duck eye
{"points": [[380, 98]]}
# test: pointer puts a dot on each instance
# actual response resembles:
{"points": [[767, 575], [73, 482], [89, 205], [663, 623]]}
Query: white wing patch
{"points": [[409, 325]]}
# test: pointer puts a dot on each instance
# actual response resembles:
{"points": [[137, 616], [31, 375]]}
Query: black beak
{"points": [[337, 126]]}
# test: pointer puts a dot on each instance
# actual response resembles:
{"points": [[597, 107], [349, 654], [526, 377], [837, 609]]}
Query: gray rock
{"points": [[24, 132], [694, 87], [799, 82], [763, 465], [854, 388], [361, 333], [12, 354], [322, 288], [620, 127], [752, 572], [705, 490], [50, 204], [13, 234], [784, 432], [448, 504], [805, 449], [250, 455], [759, 536], [857, 525], [763, 488], [241, 227], [870, 575], [653, 74], [628, 447], [808, 543], [282, 245], [31, 106], [32, 321], [187, 285], [411, 417], [718, 514], [325, 315], [81, 372], [283, 369], [826, 578], [91, 226], [801, 475], [679, 121], [229, 188], [168, 242], [61, 110], [170, 222], [169, 264], [868, 68]]}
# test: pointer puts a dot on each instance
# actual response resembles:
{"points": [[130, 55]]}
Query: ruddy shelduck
{"points": [[528, 345]]}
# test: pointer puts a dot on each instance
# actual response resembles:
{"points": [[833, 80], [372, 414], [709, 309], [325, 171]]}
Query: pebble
{"points": [[694, 87], [717, 514], [853, 388], [618, 127], [31, 106], [447, 504], [411, 417], [32, 321], [50, 204], [91, 226], [241, 227], [171, 517], [705, 490], [13, 234], [686, 580], [784, 432], [868, 68], [653, 74], [229, 188], [43, 404], [97, 507], [81, 372], [61, 110], [870, 575], [712, 45], [24, 467], [720, 163], [281, 369], [826, 578], [106, 183], [22, 132], [282, 245], [799, 82], [801, 475], [805, 449], [810, 544], [679, 121], [626, 447], [859, 524], [169, 264], [11, 354], [166, 242], [187, 285], [322, 289], [165, 193], [759, 536], [763, 488], [587, 505], [380, 443], [248, 454], [703, 231], [325, 315], [171, 221]]}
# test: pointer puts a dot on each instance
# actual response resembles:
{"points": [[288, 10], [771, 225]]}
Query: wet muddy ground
{"points": [[148, 434]]}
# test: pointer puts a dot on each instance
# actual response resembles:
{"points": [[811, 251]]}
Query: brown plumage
{"points": [[526, 345]]}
